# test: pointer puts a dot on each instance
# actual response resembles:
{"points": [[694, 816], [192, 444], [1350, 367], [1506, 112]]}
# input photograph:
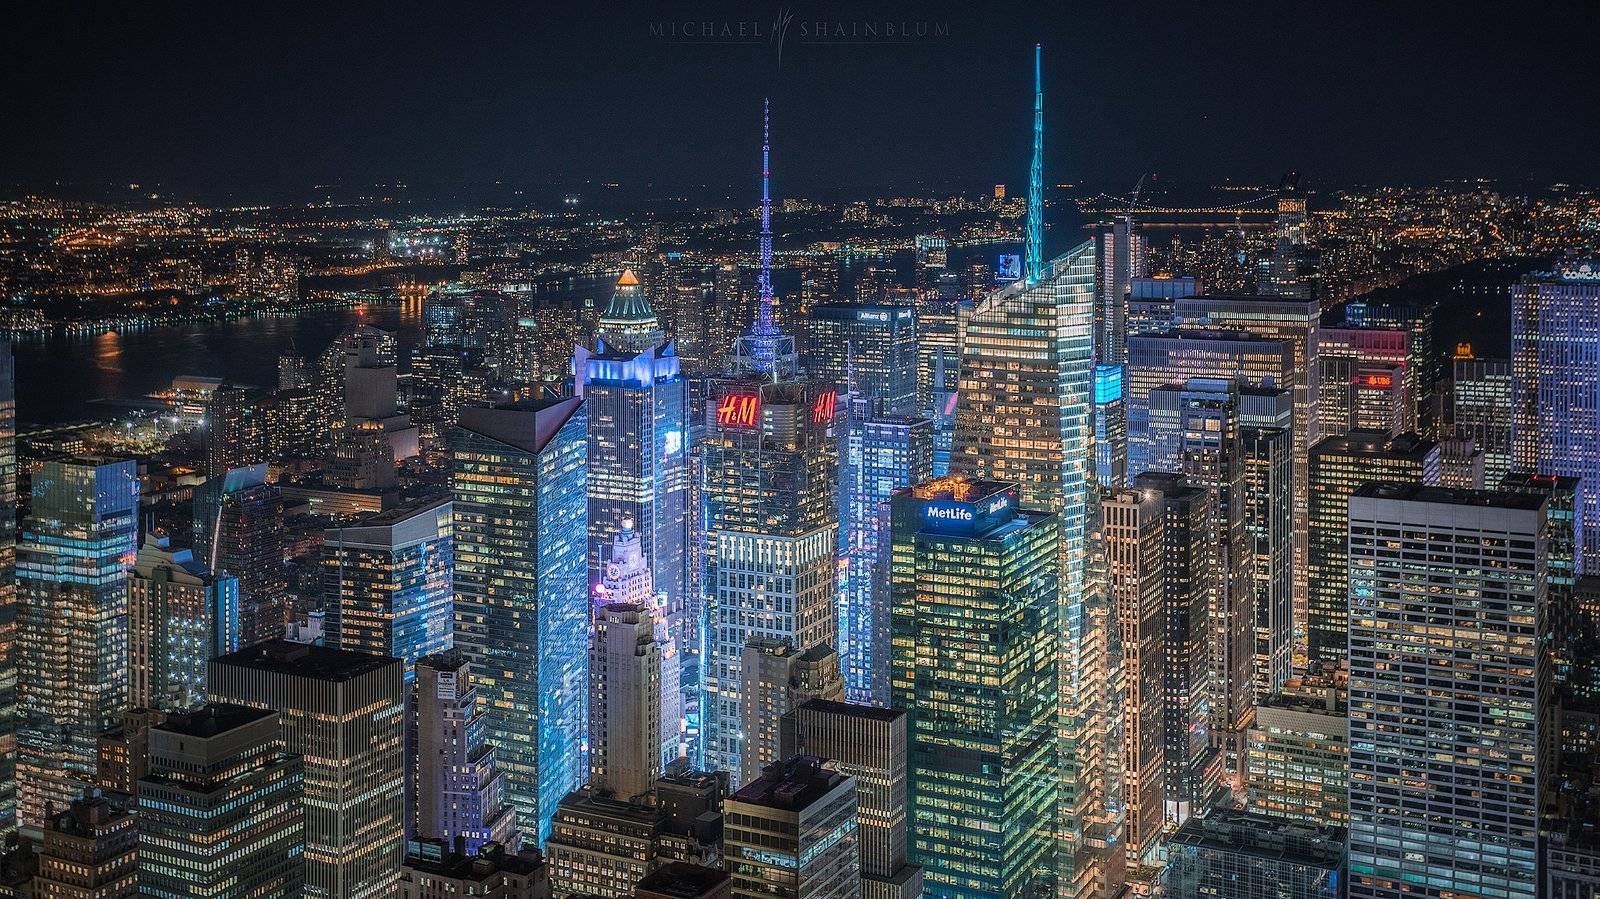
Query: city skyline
{"points": [[1009, 543]]}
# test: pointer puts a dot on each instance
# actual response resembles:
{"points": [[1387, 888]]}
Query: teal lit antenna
{"points": [[1033, 233]]}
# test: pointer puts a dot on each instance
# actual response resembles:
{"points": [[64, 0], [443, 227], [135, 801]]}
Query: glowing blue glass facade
{"points": [[388, 583], [1110, 428], [521, 580], [1555, 384], [881, 454], [72, 644], [638, 477]]}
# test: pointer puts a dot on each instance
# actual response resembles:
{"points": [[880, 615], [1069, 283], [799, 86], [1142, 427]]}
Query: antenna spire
{"points": [[764, 336], [1033, 233]]}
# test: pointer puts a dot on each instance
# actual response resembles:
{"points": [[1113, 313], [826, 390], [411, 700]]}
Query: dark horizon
{"points": [[224, 104]]}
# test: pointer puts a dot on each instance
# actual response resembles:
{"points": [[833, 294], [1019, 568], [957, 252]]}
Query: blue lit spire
{"points": [[1033, 233], [766, 349]]}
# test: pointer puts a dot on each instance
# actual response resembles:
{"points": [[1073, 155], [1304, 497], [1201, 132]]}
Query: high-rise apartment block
{"points": [[388, 580], [180, 616]]}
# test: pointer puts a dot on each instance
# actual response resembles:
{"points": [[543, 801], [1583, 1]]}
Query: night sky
{"points": [[263, 101]]}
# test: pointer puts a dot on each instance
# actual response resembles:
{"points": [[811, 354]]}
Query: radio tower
{"points": [[763, 349], [1033, 233]]}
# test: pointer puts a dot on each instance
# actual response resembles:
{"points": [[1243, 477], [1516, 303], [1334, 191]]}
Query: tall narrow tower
{"points": [[1033, 237], [771, 477], [766, 349]]}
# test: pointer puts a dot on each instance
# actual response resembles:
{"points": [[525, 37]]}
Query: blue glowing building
{"points": [[72, 643], [882, 453], [388, 582], [1555, 384], [1110, 428], [637, 399], [521, 583]]}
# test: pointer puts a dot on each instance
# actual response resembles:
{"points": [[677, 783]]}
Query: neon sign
{"points": [[739, 410], [1379, 380], [822, 408]]}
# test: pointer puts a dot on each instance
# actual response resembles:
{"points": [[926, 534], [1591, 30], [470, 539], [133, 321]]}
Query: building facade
{"points": [[343, 713], [522, 598], [1446, 784], [72, 637]]}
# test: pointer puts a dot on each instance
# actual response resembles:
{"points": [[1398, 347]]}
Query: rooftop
{"points": [[1454, 496], [1227, 830], [870, 712], [683, 879], [213, 719], [791, 785], [306, 660]]}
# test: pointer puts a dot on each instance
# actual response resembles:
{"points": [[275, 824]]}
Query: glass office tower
{"points": [[388, 582], [1446, 782], [72, 644], [1555, 368], [973, 584], [522, 598]]}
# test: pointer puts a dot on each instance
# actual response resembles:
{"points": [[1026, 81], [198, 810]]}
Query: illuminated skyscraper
{"points": [[1481, 399], [1134, 541], [1347, 358], [522, 598], [638, 442], [1192, 765], [1446, 783], [1339, 465], [866, 350], [238, 528], [180, 616], [1266, 417], [1110, 428], [344, 714], [1555, 367], [1195, 431], [458, 791], [975, 658], [1158, 359], [1121, 252], [72, 643], [388, 580], [882, 453], [221, 811], [1024, 417], [771, 474], [627, 580], [8, 591], [1292, 317]]}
